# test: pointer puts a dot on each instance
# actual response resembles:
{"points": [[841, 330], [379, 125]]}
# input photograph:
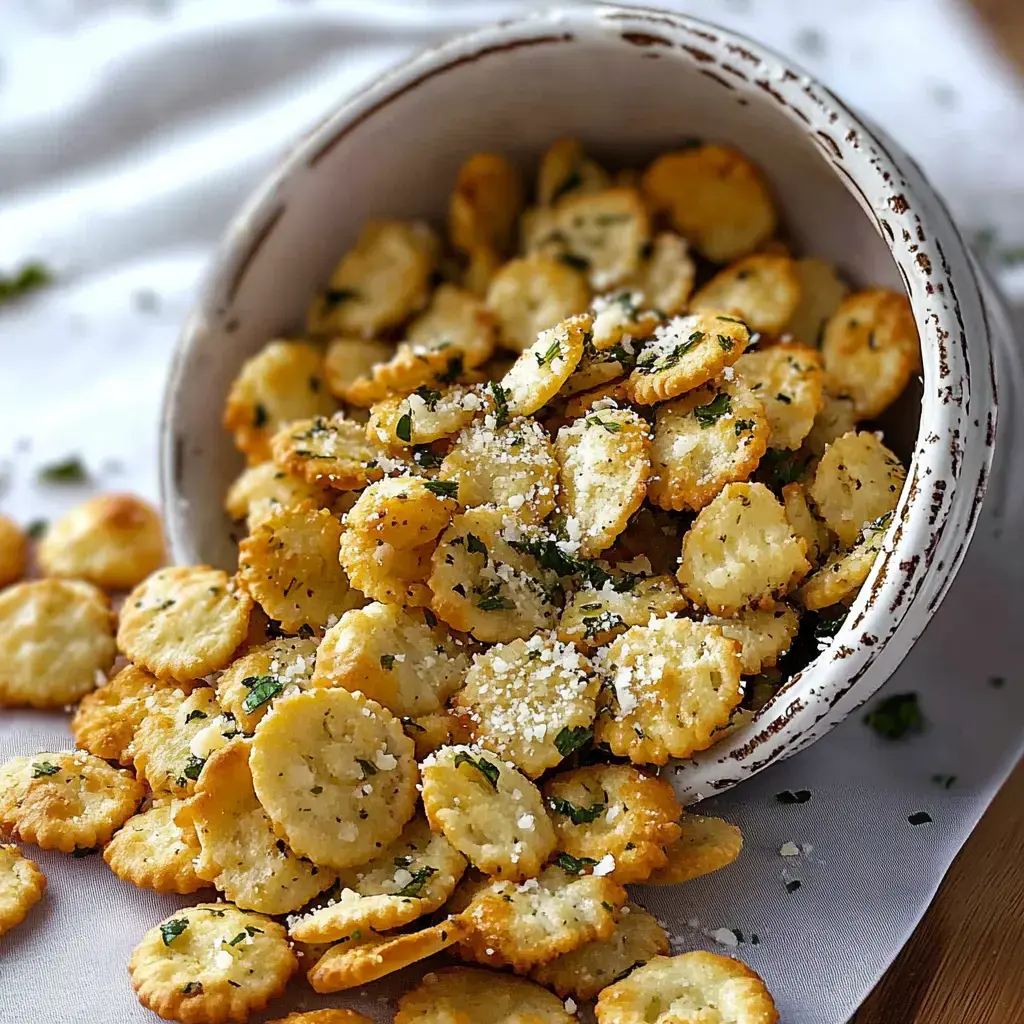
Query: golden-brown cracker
{"points": [[330, 1016], [584, 972], [821, 291], [837, 417], [425, 415], [258, 489], [614, 815], [13, 551], [690, 988], [487, 810], [529, 701], [336, 801], [541, 370], [566, 170], [805, 522], [379, 282], [764, 634], [484, 207], [152, 851], [741, 551], [704, 845], [386, 573], [762, 290], [183, 622], [405, 511], [65, 801], [394, 656], [289, 564], [210, 964], [710, 437], [789, 380], [349, 366], [56, 638], [281, 383], [686, 352], [871, 350], [22, 885], [842, 575], [666, 274], [671, 684], [604, 462], [715, 197]]}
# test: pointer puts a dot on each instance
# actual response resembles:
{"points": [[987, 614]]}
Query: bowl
{"points": [[629, 82]]}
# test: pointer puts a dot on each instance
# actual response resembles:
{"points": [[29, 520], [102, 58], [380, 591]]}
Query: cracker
{"points": [[741, 551], [843, 574], [13, 552], [705, 845], [330, 1016], [56, 638], [614, 815], [379, 282], [604, 462], [259, 489], [584, 972], [566, 170], [542, 368], [821, 292], [715, 197], [764, 635], [690, 988], [871, 349], [511, 466], [248, 687], [672, 683], [482, 585], [807, 526], [336, 801], [763, 290], [857, 480], [348, 965], [485, 204], [22, 885], [523, 925], [411, 877], [529, 701], [710, 437], [438, 729], [594, 616], [65, 801], [350, 365], [608, 395], [289, 564], [281, 383], [182, 623], [423, 416], [332, 452], [686, 352], [211, 963], [789, 380], [385, 573], [836, 417], [533, 294], [394, 657], [665, 276], [152, 851], [405, 511], [241, 855], [487, 810]]}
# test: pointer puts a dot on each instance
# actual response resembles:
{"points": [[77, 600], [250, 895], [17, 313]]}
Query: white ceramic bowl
{"points": [[630, 83]]}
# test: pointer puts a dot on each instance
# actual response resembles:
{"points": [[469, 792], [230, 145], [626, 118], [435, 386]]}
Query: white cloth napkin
{"points": [[129, 132]]}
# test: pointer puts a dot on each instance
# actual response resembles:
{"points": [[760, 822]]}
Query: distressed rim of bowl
{"points": [[939, 507]]}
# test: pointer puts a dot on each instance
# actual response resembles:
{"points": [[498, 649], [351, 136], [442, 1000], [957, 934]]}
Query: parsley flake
{"points": [[414, 888], [31, 277], [494, 603], [489, 771], [708, 415], [501, 413], [443, 488], [403, 431], [368, 767], [261, 689], [170, 930], [387, 661], [609, 425], [577, 815], [68, 471], [920, 818], [896, 716], [43, 768], [787, 796], [573, 865], [475, 546], [572, 738]]}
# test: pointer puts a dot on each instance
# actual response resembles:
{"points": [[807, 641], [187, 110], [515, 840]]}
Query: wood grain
{"points": [[965, 962]]}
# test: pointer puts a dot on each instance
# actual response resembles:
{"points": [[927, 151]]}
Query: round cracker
{"points": [[764, 635], [22, 885], [704, 845], [351, 365], [837, 417], [405, 512], [423, 416], [485, 204], [821, 291], [839, 579], [763, 290], [257, 490], [666, 275], [386, 573]]}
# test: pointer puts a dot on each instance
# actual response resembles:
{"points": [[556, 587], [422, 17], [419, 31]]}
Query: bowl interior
{"points": [[395, 154]]}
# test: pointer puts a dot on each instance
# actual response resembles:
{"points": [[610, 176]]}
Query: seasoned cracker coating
{"points": [[839, 579], [152, 851], [349, 369], [763, 290], [259, 489], [764, 635], [338, 800], [56, 639], [705, 845], [857, 480], [691, 988], [65, 801], [467, 994], [379, 282], [621, 318], [22, 885], [715, 197], [521, 925], [385, 573], [13, 551], [485, 204], [484, 586], [584, 972], [604, 462], [672, 683], [241, 855], [789, 380], [281, 383], [821, 291], [871, 350], [411, 877], [210, 964], [528, 700], [614, 811], [741, 551], [665, 278], [531, 295], [114, 541], [289, 564], [403, 511], [807, 526], [710, 437], [423, 416], [487, 810], [541, 370], [686, 352], [393, 657], [184, 622]]}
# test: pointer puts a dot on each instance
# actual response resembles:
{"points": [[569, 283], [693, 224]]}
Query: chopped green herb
{"points": [[494, 603], [573, 865], [501, 413], [429, 395], [553, 352], [193, 767], [742, 426], [334, 297], [577, 815], [242, 936], [368, 767], [261, 689], [725, 343], [945, 781], [68, 471], [781, 466], [31, 277], [570, 259], [920, 818], [415, 887], [423, 455], [43, 768], [708, 415], [801, 796], [192, 988], [387, 661], [571, 738], [896, 716], [594, 624], [37, 528], [475, 546], [403, 431], [793, 885], [550, 556], [443, 488], [609, 425], [170, 930], [194, 716], [259, 415], [730, 319], [784, 398], [84, 851], [489, 771], [452, 373]]}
